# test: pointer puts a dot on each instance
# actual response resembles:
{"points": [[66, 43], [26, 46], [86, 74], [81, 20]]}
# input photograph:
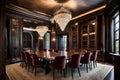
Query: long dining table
{"points": [[47, 57]]}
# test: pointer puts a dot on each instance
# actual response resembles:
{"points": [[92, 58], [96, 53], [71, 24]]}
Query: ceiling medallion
{"points": [[62, 17], [61, 1]]}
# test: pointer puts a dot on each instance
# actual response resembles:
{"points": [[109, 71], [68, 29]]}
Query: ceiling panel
{"points": [[50, 6]]}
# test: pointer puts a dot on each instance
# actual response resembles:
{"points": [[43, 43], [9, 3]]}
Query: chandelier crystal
{"points": [[62, 17], [41, 30]]}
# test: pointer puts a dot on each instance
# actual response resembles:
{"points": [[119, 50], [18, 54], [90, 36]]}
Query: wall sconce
{"points": [[53, 39]]}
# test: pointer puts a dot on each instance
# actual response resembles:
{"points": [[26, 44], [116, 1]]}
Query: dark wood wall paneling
{"points": [[2, 39], [99, 17]]}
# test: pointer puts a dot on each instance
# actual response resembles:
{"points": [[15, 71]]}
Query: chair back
{"points": [[22, 55], [75, 61], [51, 50], [35, 60], [67, 50], [28, 57], [45, 50], [56, 51], [60, 62], [87, 57], [94, 55]]}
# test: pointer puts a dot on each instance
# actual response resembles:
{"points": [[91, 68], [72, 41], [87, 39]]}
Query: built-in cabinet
{"points": [[14, 38], [88, 35]]}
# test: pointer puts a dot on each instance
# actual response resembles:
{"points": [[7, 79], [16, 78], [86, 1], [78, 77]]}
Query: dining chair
{"points": [[68, 50], [74, 63], [22, 55], [45, 50], [56, 50], [58, 64], [86, 60], [94, 58], [51, 50], [35, 63], [28, 60]]}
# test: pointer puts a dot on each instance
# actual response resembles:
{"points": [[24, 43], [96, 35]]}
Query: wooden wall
{"points": [[2, 40]]}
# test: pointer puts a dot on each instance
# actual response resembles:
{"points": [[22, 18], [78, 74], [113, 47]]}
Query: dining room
{"points": [[59, 39]]}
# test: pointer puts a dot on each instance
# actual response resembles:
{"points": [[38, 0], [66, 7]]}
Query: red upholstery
{"points": [[67, 50], [22, 55], [51, 50], [56, 51], [28, 60], [35, 62], [94, 58], [59, 63], [22, 58], [86, 59], [45, 50], [74, 63], [94, 55], [28, 57]]}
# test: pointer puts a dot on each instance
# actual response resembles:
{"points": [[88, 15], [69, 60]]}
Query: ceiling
{"points": [[48, 7]]}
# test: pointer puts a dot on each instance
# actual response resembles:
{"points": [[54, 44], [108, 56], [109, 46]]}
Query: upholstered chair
{"points": [[74, 63], [28, 60], [94, 58], [51, 50], [35, 63], [58, 64], [86, 60], [23, 62]]}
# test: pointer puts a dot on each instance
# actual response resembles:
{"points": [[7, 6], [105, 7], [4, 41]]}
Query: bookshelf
{"points": [[88, 35]]}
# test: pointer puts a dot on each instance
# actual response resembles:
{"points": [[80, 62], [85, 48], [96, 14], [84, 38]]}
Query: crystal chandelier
{"points": [[62, 17], [41, 30]]}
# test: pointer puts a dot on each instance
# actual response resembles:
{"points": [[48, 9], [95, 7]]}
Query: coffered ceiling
{"points": [[48, 7]]}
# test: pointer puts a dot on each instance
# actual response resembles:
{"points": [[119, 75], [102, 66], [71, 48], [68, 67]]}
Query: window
{"points": [[115, 33], [47, 41], [62, 42]]}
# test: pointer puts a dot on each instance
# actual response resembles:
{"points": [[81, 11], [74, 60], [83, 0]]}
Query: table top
{"points": [[51, 55]]}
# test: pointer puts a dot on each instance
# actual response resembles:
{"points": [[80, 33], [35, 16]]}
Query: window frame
{"points": [[114, 31]]}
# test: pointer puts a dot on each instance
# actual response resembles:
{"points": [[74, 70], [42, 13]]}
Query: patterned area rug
{"points": [[16, 72]]}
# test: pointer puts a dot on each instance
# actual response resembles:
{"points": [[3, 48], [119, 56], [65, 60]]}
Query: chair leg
{"points": [[53, 74], [91, 65], [32, 68], [79, 71], [72, 70], [28, 66], [87, 67], [35, 70], [64, 73], [96, 63]]}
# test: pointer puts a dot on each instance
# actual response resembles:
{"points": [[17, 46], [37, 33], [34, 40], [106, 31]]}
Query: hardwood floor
{"points": [[110, 76], [93, 77]]}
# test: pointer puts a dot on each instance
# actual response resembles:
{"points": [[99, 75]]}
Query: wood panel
{"points": [[2, 39]]}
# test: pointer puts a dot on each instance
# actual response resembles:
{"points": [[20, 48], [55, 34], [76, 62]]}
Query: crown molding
{"points": [[89, 12], [27, 12]]}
